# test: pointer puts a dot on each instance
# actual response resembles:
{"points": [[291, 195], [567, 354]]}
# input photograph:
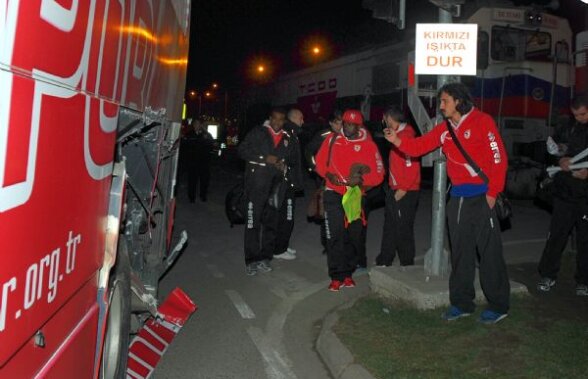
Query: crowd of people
{"points": [[348, 164]]}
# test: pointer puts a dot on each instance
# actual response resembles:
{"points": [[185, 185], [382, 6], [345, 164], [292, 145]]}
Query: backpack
{"points": [[236, 204]]}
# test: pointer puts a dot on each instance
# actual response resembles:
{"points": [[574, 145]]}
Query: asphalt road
{"points": [[247, 327]]}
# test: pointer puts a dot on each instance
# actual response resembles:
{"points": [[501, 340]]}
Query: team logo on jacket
{"points": [[494, 147], [357, 147], [467, 134]]}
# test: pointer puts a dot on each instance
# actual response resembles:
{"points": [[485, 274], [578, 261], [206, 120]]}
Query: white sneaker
{"points": [[582, 290], [285, 255], [291, 251]]}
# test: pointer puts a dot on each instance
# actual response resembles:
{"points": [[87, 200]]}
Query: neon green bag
{"points": [[352, 203]]}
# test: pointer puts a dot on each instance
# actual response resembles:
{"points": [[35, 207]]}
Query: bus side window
{"points": [[483, 47]]}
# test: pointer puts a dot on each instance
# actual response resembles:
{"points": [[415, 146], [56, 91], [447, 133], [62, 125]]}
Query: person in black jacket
{"points": [[268, 151], [293, 126], [198, 145], [570, 208], [335, 126], [312, 148]]}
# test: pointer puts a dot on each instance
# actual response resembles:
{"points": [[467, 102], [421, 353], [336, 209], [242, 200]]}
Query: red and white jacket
{"points": [[344, 154], [479, 137], [404, 170]]}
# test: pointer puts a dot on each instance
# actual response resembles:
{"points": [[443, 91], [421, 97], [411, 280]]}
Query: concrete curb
{"points": [[334, 354], [412, 285]]}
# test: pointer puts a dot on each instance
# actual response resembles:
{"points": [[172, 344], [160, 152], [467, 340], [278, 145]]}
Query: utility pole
{"points": [[393, 11], [437, 258]]}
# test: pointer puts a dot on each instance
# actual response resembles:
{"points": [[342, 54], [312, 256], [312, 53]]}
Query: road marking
{"points": [[215, 271], [242, 307], [287, 281], [276, 366]]}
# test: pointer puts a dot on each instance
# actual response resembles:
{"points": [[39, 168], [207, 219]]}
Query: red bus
{"points": [[90, 111]]}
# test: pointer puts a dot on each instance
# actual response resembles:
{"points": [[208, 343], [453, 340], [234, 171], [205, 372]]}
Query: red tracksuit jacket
{"points": [[405, 171], [479, 137], [344, 154]]}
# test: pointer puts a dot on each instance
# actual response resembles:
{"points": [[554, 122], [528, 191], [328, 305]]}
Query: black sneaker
{"points": [[251, 269], [264, 266]]}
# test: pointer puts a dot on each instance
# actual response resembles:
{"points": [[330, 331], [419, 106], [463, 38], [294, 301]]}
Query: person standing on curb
{"points": [[267, 151], [474, 229], [402, 196], [348, 162], [570, 208], [293, 126]]}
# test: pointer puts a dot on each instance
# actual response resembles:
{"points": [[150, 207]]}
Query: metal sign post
{"points": [[437, 258]]}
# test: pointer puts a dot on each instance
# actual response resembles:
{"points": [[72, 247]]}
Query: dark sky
{"points": [[229, 36]]}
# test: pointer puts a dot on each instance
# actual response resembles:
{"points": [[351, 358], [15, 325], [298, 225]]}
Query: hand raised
{"points": [[391, 136]]}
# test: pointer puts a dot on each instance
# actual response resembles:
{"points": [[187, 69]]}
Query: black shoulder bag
{"points": [[315, 209], [503, 206]]}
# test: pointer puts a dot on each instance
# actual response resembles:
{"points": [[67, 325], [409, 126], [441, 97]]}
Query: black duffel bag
{"points": [[236, 204]]}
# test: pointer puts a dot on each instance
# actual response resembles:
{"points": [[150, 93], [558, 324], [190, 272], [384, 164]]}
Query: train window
{"points": [[483, 45], [511, 44]]}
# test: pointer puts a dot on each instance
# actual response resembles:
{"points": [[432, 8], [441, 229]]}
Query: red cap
{"points": [[353, 116]]}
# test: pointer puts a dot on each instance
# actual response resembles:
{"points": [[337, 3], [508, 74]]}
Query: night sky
{"points": [[228, 37]]}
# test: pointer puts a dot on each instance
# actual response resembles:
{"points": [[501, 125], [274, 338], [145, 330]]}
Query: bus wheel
{"points": [[118, 323]]}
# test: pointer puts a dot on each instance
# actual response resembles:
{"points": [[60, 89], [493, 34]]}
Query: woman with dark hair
{"points": [[473, 226], [402, 196]]}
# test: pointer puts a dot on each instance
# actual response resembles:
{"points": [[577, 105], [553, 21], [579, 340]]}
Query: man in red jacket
{"points": [[402, 196], [345, 160], [472, 221]]}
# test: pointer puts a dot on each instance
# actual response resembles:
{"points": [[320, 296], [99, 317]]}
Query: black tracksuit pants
{"points": [[565, 216], [344, 245], [260, 227], [198, 174], [286, 221], [398, 234], [474, 232]]}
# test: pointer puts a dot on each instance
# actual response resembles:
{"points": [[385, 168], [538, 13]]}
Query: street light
{"points": [[214, 85], [316, 50], [260, 68]]}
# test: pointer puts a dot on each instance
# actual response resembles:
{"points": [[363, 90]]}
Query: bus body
{"points": [[90, 106]]}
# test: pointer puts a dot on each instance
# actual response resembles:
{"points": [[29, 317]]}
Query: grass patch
{"points": [[407, 343]]}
